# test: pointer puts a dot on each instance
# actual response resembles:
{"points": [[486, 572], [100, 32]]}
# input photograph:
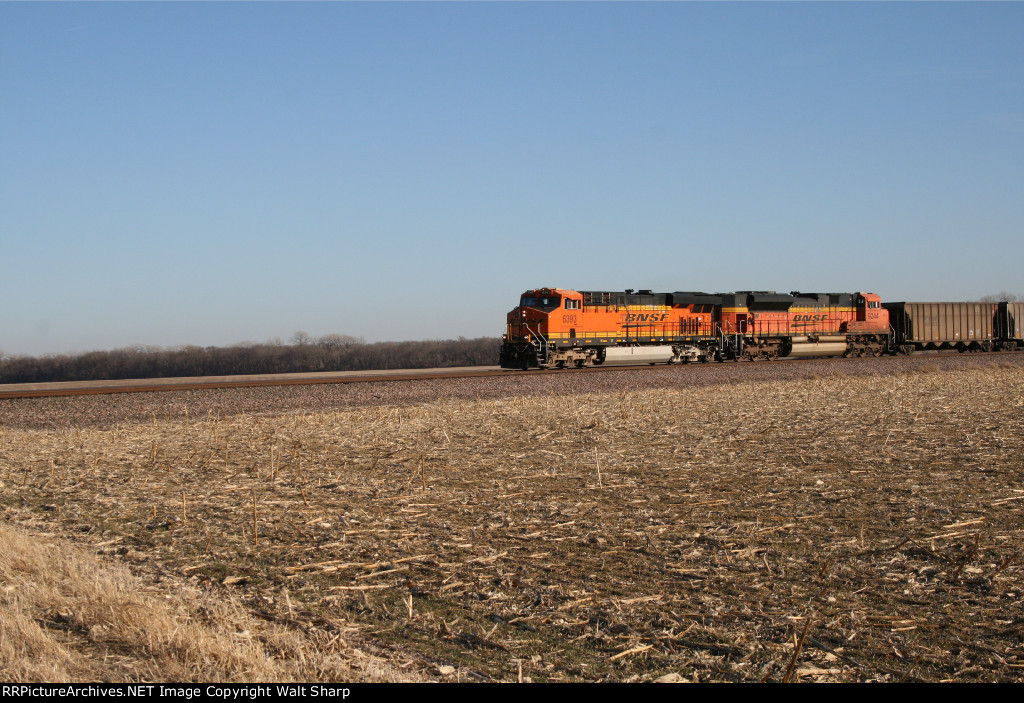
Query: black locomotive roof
{"points": [[694, 298], [770, 300], [628, 297], [753, 299], [822, 300], [647, 297]]}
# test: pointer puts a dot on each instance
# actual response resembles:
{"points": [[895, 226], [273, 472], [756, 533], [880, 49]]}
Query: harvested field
{"points": [[825, 523], [109, 411]]}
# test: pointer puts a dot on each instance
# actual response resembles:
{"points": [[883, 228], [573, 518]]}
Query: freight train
{"points": [[556, 327]]}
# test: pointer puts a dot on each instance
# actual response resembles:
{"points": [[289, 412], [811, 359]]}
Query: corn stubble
{"points": [[830, 526], [66, 615]]}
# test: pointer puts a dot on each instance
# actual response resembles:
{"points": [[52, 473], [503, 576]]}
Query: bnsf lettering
{"points": [[646, 317], [809, 318]]}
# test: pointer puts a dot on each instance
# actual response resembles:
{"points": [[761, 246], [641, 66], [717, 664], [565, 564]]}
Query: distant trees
{"points": [[1002, 296], [332, 352], [339, 340]]}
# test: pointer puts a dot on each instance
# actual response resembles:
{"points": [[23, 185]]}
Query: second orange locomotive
{"points": [[558, 327]]}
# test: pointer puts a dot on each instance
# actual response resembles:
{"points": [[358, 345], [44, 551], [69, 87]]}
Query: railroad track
{"points": [[152, 385]]}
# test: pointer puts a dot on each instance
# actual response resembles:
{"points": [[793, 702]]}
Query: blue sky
{"points": [[208, 173]]}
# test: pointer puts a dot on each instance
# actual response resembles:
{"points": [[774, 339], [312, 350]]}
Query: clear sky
{"points": [[193, 173]]}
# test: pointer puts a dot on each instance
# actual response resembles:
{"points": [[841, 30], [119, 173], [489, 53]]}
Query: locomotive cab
{"points": [[530, 325], [870, 317], [869, 307]]}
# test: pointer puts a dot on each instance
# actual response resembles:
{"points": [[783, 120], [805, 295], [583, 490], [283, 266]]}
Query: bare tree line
{"points": [[1001, 297], [333, 352]]}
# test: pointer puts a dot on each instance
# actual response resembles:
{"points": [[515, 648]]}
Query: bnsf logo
{"points": [[809, 318], [646, 317]]}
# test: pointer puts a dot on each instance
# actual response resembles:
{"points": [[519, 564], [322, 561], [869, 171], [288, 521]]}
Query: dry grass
{"points": [[67, 616], [841, 527]]}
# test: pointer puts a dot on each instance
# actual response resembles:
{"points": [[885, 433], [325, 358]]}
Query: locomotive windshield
{"points": [[546, 303]]}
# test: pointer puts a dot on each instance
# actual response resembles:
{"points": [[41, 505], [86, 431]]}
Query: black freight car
{"points": [[1009, 320]]}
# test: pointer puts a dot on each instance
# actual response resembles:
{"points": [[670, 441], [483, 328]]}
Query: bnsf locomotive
{"points": [[557, 327]]}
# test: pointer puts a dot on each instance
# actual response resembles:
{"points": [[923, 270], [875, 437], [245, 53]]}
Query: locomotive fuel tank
{"points": [[808, 349], [623, 356]]}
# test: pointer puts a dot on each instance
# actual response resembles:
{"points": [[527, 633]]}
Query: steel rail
{"points": [[155, 385], [152, 385]]}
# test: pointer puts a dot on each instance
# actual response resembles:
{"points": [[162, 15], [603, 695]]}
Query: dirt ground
{"points": [[837, 522]]}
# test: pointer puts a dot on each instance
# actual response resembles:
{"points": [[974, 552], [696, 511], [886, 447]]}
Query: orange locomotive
{"points": [[558, 327]]}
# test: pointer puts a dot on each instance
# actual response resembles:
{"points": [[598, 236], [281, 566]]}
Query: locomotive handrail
{"points": [[692, 328], [643, 331]]}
